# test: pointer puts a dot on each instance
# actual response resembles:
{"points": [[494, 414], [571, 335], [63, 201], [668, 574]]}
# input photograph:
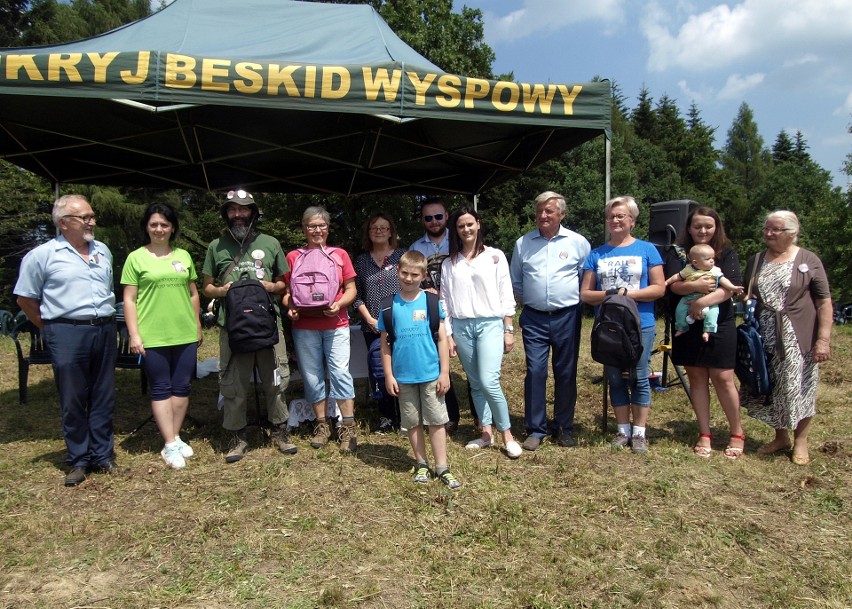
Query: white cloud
{"points": [[693, 95], [751, 29], [846, 108], [736, 85], [546, 16], [807, 58]]}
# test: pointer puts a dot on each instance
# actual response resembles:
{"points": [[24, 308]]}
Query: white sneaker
{"points": [[185, 449], [477, 444], [171, 455], [513, 449]]}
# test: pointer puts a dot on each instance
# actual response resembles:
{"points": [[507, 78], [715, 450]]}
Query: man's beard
{"points": [[240, 230], [89, 236], [439, 232]]}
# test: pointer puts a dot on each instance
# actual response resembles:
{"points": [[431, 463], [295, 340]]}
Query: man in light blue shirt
{"points": [[65, 287], [435, 243], [546, 269]]}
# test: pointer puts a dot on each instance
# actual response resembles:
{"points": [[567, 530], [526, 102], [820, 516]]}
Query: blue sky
{"points": [[789, 60]]}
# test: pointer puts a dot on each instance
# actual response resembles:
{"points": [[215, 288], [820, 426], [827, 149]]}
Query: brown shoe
{"points": [[347, 435], [281, 440], [531, 443], [238, 447], [322, 432]]}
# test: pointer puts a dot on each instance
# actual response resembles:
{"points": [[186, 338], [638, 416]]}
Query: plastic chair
{"points": [[25, 331], [6, 323], [125, 359]]}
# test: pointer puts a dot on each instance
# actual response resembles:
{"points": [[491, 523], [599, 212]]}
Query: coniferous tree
{"points": [[642, 118], [782, 149], [743, 156], [699, 157]]}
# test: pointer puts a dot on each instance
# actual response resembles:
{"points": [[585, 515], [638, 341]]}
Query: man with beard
{"points": [[65, 288], [243, 249], [435, 245]]}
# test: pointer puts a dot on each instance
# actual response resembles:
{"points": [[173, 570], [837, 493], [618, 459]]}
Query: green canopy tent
{"points": [[277, 96]]}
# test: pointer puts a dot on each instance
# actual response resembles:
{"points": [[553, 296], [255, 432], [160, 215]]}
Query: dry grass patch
{"points": [[583, 527]]}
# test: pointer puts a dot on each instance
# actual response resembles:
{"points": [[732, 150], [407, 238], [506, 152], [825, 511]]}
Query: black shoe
{"points": [[75, 476], [108, 467], [451, 427], [566, 440]]}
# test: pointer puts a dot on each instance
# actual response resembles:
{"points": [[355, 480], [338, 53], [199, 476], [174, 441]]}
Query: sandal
{"points": [[734, 452], [703, 451]]}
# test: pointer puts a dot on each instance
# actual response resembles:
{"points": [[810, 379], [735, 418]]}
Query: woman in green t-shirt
{"points": [[161, 309]]}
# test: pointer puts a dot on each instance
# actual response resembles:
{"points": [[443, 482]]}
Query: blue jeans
{"points": [[388, 406], [318, 349], [479, 344], [636, 391], [543, 331], [84, 368]]}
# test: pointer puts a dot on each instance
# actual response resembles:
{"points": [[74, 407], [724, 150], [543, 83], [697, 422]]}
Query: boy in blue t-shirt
{"points": [[417, 370]]}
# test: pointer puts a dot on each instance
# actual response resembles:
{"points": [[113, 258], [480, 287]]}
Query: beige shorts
{"points": [[420, 404]]}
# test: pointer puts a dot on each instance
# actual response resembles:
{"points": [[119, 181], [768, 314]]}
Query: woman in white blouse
{"points": [[477, 295]]}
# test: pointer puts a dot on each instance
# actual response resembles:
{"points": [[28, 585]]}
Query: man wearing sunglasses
{"points": [[65, 288], [435, 243], [244, 249]]}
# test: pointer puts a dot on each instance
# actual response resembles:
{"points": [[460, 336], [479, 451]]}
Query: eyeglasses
{"points": [[438, 217], [238, 194], [380, 229], [616, 217], [316, 227], [773, 231], [86, 219]]}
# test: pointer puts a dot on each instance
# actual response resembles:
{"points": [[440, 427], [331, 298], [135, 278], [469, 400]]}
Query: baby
{"points": [[702, 257]]}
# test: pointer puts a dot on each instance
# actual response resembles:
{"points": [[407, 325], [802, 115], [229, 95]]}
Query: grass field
{"points": [[582, 527]]}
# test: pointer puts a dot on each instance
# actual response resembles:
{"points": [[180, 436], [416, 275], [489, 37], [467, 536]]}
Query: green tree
{"points": [[698, 158], [12, 21], [782, 149], [643, 118], [743, 156]]}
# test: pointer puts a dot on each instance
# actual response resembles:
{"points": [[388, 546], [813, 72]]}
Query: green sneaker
{"points": [[421, 473], [451, 481]]}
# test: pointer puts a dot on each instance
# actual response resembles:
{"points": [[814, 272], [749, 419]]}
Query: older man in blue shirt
{"points": [[65, 287], [546, 269]]}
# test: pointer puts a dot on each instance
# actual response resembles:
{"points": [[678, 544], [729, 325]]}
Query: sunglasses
{"points": [[438, 217]]}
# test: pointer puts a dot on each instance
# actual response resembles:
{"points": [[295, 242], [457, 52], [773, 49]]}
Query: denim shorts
{"points": [[318, 350]]}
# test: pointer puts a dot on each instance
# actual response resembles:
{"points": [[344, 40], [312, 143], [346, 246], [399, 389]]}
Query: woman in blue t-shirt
{"points": [[632, 267]]}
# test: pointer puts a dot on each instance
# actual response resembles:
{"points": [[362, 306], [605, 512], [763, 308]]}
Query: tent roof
{"points": [[276, 96]]}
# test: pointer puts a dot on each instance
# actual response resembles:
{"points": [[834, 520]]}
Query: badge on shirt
{"points": [[419, 315], [179, 268], [259, 274], [258, 254], [563, 254]]}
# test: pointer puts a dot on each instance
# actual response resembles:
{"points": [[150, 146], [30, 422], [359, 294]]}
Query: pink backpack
{"points": [[314, 282]]}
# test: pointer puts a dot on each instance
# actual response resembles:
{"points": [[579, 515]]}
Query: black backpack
{"points": [[617, 333], [432, 314], [251, 319]]}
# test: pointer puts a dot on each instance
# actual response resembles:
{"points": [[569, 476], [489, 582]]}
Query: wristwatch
{"points": [[508, 329]]}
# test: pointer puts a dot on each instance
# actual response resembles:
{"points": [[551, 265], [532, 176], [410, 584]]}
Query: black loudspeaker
{"points": [[668, 221]]}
